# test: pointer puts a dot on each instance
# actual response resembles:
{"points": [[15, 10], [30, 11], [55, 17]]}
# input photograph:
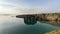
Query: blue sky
{"points": [[17, 6]]}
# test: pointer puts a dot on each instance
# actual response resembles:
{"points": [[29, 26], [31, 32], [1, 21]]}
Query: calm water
{"points": [[13, 25]]}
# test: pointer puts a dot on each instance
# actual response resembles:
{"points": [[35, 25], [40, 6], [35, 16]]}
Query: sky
{"points": [[29, 6]]}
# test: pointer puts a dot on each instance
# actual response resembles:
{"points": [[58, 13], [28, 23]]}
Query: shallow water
{"points": [[13, 25]]}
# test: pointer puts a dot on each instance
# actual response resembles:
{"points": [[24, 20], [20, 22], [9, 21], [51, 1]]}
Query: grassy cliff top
{"points": [[54, 32]]}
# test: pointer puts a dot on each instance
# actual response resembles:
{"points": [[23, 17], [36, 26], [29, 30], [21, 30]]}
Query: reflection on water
{"points": [[13, 25], [55, 23], [30, 23]]}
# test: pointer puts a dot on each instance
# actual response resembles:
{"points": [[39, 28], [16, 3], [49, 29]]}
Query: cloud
{"points": [[7, 7], [20, 7], [36, 10]]}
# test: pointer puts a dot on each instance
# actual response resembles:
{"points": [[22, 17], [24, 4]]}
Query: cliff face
{"points": [[40, 16], [45, 17], [49, 17], [52, 17]]}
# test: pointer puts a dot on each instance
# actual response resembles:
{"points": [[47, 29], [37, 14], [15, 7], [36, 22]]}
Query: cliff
{"points": [[49, 16], [45, 17]]}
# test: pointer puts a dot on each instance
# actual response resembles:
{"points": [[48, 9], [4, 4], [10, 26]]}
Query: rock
{"points": [[51, 17], [58, 18]]}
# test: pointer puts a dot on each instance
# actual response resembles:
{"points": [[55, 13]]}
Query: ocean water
{"points": [[13, 25]]}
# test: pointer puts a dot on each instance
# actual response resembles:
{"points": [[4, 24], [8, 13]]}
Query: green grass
{"points": [[54, 32]]}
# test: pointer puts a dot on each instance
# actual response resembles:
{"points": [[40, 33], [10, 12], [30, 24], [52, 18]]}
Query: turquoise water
{"points": [[13, 25]]}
